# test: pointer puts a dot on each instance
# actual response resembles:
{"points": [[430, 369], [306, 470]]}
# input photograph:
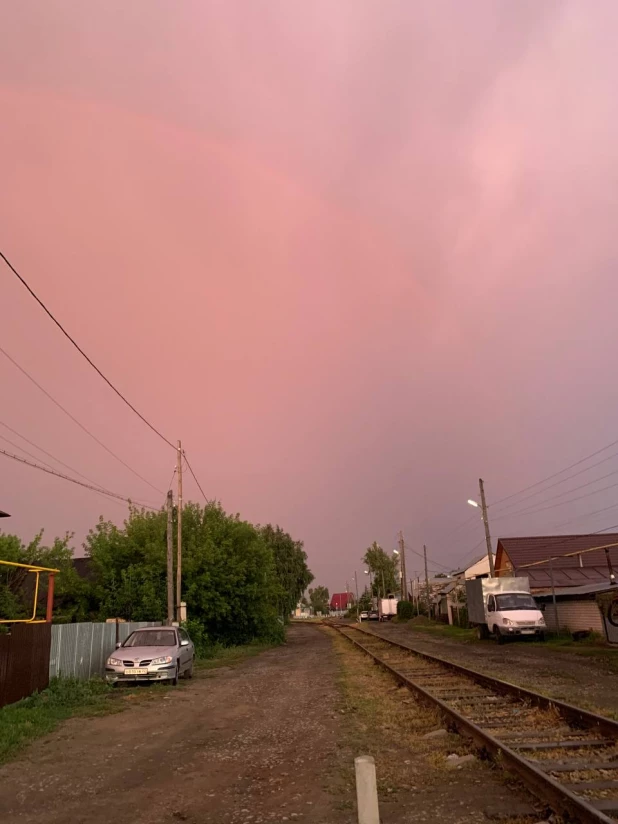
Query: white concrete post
{"points": [[366, 790]]}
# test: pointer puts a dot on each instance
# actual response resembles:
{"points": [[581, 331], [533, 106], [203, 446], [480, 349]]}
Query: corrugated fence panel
{"points": [[80, 650]]}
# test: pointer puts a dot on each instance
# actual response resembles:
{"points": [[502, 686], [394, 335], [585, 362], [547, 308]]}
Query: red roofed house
{"points": [[341, 601]]}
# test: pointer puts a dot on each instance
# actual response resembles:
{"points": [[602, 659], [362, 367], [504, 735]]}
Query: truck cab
{"points": [[510, 614]]}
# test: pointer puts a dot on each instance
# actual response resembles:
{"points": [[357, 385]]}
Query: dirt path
{"points": [[586, 681], [248, 745]]}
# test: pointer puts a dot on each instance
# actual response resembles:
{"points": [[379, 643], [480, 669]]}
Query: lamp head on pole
{"points": [[472, 503]]}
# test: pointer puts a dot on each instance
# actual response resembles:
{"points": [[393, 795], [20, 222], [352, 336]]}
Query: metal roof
{"points": [[576, 570], [574, 592]]}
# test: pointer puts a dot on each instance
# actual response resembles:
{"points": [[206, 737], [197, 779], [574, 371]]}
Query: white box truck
{"points": [[387, 607], [504, 608]]}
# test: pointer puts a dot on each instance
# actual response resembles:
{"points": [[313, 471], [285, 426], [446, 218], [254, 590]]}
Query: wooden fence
{"points": [[24, 661]]}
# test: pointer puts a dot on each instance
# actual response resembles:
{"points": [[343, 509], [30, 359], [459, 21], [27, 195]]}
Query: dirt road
{"points": [[581, 680], [248, 745]]}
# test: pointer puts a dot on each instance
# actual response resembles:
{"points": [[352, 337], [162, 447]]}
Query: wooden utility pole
{"points": [[356, 582], [427, 583], [402, 556], [170, 558], [179, 547], [490, 554]]}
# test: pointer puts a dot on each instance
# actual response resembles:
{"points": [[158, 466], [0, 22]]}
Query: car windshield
{"points": [[515, 601], [151, 638]]}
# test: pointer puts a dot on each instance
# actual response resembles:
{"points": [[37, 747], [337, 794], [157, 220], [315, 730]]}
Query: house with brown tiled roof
{"points": [[575, 559], [572, 577]]}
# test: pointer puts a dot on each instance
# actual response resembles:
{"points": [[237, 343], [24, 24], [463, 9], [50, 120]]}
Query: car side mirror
{"points": [[119, 644], [184, 643]]}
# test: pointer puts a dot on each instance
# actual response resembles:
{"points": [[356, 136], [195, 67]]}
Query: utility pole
{"points": [[427, 583], [402, 555], [179, 547], [490, 555], [170, 559], [356, 582]]}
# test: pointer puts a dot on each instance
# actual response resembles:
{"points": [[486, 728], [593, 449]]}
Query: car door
{"points": [[186, 651], [491, 612]]}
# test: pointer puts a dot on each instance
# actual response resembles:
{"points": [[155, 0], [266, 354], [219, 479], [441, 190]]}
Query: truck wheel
{"points": [[482, 633], [500, 637]]}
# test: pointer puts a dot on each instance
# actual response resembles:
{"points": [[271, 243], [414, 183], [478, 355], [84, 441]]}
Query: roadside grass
{"points": [[231, 656], [437, 628], [39, 714], [387, 721], [593, 646]]}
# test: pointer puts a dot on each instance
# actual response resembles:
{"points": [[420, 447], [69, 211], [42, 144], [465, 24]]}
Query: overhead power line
{"points": [[564, 480], [195, 477], [81, 351], [74, 419], [25, 451], [44, 451], [97, 489], [555, 474], [566, 492], [532, 510]]}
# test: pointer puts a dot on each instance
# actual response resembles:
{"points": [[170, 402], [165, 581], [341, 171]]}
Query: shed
{"points": [[589, 608]]}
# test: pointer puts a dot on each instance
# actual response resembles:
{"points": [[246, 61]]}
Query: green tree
{"points": [[293, 574], [319, 599], [384, 568], [364, 602], [236, 577], [17, 585]]}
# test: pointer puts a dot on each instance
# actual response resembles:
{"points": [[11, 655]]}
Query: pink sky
{"points": [[354, 254]]}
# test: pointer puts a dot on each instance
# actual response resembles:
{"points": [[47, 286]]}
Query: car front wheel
{"points": [[176, 674], [189, 672]]}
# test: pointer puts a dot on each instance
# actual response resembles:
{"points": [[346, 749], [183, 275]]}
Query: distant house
{"points": [[477, 569], [341, 601], [529, 557]]}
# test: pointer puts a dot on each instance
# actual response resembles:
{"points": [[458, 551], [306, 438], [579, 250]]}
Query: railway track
{"points": [[566, 756]]}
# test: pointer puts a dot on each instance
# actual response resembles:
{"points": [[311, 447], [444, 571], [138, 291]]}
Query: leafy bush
{"points": [[405, 610]]}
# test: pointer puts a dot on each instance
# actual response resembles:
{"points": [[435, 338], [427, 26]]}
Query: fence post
{"points": [[366, 790]]}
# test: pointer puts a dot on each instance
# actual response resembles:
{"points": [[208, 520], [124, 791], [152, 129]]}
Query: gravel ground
{"points": [[245, 745], [586, 681]]}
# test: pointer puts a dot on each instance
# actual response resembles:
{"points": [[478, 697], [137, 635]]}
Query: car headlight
{"points": [[541, 622], [508, 622], [165, 659], [114, 662]]}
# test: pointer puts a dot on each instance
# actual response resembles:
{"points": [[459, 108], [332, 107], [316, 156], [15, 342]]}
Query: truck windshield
{"points": [[515, 600]]}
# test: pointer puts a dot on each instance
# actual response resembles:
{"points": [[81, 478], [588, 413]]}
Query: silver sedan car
{"points": [[152, 654]]}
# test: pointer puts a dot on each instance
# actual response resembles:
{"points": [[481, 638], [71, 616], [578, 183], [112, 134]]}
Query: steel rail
{"points": [[559, 797]]}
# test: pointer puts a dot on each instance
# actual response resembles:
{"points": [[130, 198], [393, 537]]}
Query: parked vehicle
{"points": [[387, 607], [152, 654], [504, 607], [374, 615], [364, 616]]}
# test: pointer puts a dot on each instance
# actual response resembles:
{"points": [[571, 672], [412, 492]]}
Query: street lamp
{"points": [[483, 508], [4, 514], [368, 572], [356, 585]]}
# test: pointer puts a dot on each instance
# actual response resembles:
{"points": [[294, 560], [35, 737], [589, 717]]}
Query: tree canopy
{"points": [[384, 569], [319, 599], [240, 581]]}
